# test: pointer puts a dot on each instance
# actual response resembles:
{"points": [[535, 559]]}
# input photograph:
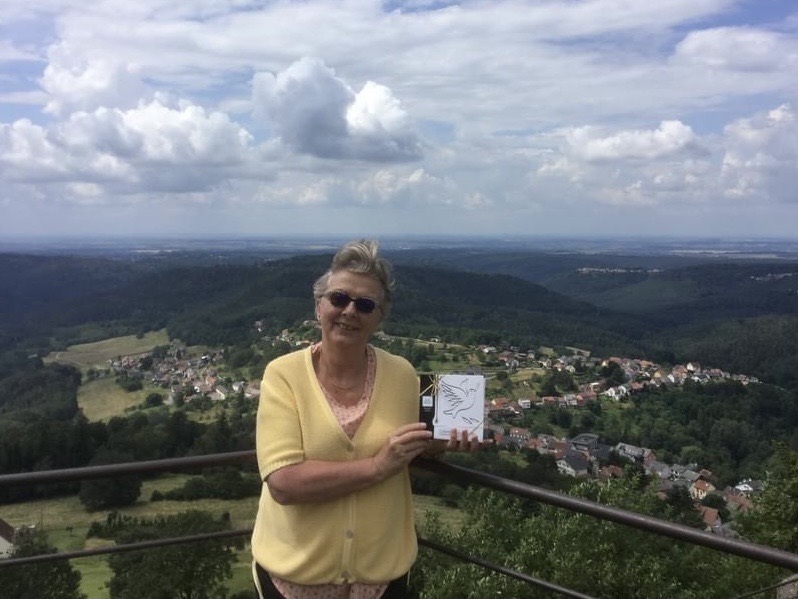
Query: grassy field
{"points": [[103, 398], [97, 354], [67, 522]]}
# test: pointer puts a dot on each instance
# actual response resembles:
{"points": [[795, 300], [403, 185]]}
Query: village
{"points": [[207, 376]]}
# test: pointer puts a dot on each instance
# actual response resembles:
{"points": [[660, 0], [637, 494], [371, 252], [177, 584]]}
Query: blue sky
{"points": [[353, 117]]}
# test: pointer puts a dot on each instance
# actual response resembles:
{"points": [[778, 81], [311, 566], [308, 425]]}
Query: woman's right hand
{"points": [[402, 447]]}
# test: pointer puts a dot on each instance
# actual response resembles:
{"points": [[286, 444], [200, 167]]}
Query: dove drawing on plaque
{"points": [[462, 399]]}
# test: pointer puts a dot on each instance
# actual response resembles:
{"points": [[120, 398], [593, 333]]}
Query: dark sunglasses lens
{"points": [[339, 299], [365, 305]]}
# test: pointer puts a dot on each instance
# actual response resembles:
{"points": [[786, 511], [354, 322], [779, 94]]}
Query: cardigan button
{"points": [[350, 448], [349, 534]]}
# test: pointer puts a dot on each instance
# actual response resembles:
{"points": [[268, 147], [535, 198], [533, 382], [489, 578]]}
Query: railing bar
{"points": [[770, 555], [153, 543], [752, 551], [503, 570], [110, 470], [783, 583]]}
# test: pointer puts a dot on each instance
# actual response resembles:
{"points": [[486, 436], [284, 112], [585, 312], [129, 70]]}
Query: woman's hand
{"points": [[402, 447], [458, 441]]}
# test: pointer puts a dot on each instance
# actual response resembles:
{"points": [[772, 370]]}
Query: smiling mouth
{"points": [[345, 327]]}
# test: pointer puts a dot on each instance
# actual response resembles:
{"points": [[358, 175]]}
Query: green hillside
{"points": [[739, 316]]}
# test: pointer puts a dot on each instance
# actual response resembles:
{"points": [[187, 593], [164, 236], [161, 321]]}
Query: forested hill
{"points": [[740, 317], [219, 304]]}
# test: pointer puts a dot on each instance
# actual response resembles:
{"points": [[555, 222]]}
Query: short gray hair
{"points": [[360, 257]]}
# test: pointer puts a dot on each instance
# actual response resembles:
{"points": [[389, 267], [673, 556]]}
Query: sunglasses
{"points": [[341, 299]]}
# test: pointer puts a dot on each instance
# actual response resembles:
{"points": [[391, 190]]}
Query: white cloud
{"points": [[75, 83], [633, 168], [386, 186], [671, 137], [317, 113], [756, 159], [34, 97], [761, 157], [150, 147], [9, 51], [739, 49]]}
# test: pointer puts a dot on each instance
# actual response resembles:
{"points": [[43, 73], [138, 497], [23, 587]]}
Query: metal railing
{"points": [[761, 553]]}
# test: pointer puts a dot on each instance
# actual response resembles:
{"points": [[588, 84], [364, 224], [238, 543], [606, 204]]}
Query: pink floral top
{"points": [[349, 417]]}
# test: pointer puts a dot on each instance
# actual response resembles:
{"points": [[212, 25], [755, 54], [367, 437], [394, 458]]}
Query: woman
{"points": [[337, 427]]}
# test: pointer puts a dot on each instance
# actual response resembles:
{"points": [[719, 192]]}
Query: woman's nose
{"points": [[350, 309]]}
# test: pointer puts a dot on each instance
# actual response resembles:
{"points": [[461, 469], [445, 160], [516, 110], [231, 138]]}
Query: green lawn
{"points": [[242, 573], [67, 522], [95, 574], [97, 354], [102, 399]]}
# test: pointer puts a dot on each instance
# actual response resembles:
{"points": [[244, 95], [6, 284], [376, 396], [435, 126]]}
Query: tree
{"points": [[153, 400], [772, 521], [611, 561], [613, 374], [549, 388], [111, 492], [57, 579], [193, 571]]}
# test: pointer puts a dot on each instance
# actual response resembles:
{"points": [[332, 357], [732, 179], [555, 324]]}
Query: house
{"points": [[573, 463], [736, 501], [253, 390], [691, 476], [618, 392], [749, 487], [661, 469], [712, 521], [588, 442], [700, 489], [611, 471], [631, 452], [6, 539], [519, 436]]}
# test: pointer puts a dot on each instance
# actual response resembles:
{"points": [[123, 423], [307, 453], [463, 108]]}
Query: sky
{"points": [[251, 118]]}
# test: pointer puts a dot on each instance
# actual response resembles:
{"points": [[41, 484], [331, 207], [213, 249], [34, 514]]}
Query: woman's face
{"points": [[346, 325]]}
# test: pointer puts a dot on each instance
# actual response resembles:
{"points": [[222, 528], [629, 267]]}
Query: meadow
{"points": [[67, 522], [97, 354], [101, 399]]}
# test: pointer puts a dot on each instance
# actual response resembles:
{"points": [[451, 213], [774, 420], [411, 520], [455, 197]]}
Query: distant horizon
{"points": [[752, 247], [122, 237]]}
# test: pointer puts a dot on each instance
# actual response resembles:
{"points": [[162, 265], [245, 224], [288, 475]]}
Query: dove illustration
{"points": [[459, 398]]}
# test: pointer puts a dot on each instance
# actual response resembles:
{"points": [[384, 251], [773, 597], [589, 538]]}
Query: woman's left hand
{"points": [[458, 441]]}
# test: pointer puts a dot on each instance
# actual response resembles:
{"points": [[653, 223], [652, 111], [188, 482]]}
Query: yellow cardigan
{"points": [[368, 536]]}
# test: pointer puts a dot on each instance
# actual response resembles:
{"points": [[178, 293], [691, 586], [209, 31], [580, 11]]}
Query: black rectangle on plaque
{"points": [[426, 399]]}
